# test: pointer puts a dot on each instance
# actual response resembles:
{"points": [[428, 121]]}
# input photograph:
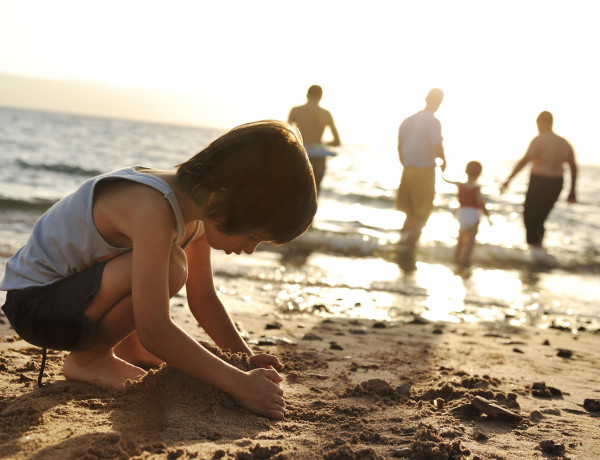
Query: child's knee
{"points": [[177, 270]]}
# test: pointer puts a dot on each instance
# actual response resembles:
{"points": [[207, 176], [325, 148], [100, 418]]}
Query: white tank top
{"points": [[65, 241]]}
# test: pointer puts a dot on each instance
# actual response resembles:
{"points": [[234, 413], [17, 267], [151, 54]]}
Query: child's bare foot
{"points": [[104, 370], [131, 350]]}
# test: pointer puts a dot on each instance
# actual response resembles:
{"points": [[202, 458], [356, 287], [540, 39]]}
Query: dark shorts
{"points": [[319, 165], [542, 193], [52, 316]]}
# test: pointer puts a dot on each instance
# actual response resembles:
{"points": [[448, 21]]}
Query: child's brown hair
{"points": [[258, 179], [473, 169]]}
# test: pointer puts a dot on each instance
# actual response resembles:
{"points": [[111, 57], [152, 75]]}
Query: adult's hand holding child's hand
{"points": [[262, 394]]}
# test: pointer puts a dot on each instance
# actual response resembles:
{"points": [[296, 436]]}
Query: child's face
{"points": [[231, 243]]}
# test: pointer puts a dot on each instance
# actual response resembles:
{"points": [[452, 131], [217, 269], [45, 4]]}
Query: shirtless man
{"points": [[311, 120], [547, 153]]}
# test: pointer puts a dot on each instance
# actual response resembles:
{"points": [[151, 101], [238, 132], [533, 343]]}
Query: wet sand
{"points": [[355, 389]]}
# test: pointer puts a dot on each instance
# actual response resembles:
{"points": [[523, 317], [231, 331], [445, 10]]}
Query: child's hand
{"points": [[261, 393], [265, 361]]}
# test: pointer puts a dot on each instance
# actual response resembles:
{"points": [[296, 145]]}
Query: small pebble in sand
{"points": [[311, 336], [361, 331], [270, 341], [564, 353], [494, 411], [404, 388], [377, 386], [593, 405], [541, 390], [551, 447], [536, 415], [479, 436]]}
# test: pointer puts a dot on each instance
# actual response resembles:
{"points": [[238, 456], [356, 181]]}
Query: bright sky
{"points": [[221, 63]]}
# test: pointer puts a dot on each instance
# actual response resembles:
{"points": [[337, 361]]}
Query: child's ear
{"points": [[214, 196], [211, 199]]}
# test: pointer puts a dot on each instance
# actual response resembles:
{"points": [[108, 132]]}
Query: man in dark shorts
{"points": [[312, 119], [547, 153]]}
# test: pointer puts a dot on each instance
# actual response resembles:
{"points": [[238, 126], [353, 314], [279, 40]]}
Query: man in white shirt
{"points": [[419, 144]]}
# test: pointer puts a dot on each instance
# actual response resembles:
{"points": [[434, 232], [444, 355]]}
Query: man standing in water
{"points": [[311, 119], [547, 153], [419, 144]]}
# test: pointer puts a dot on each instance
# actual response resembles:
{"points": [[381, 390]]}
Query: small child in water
{"points": [[97, 273], [469, 213]]}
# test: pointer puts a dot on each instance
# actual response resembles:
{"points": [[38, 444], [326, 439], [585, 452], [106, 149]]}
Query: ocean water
{"points": [[347, 263]]}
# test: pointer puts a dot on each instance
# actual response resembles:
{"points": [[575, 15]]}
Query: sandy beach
{"points": [[355, 389], [388, 353]]}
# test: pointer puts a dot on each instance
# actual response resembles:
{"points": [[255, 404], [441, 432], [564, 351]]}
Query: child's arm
{"points": [[449, 181], [204, 303], [208, 309], [257, 390], [482, 205]]}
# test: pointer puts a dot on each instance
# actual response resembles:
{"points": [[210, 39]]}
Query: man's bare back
{"points": [[311, 120], [548, 153]]}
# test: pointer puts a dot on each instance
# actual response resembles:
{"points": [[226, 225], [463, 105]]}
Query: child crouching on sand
{"points": [[97, 273], [469, 213]]}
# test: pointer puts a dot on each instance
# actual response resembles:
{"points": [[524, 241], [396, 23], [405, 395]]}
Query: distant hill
{"points": [[103, 100]]}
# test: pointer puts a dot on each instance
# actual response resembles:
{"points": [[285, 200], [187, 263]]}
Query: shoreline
{"points": [[354, 389]]}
